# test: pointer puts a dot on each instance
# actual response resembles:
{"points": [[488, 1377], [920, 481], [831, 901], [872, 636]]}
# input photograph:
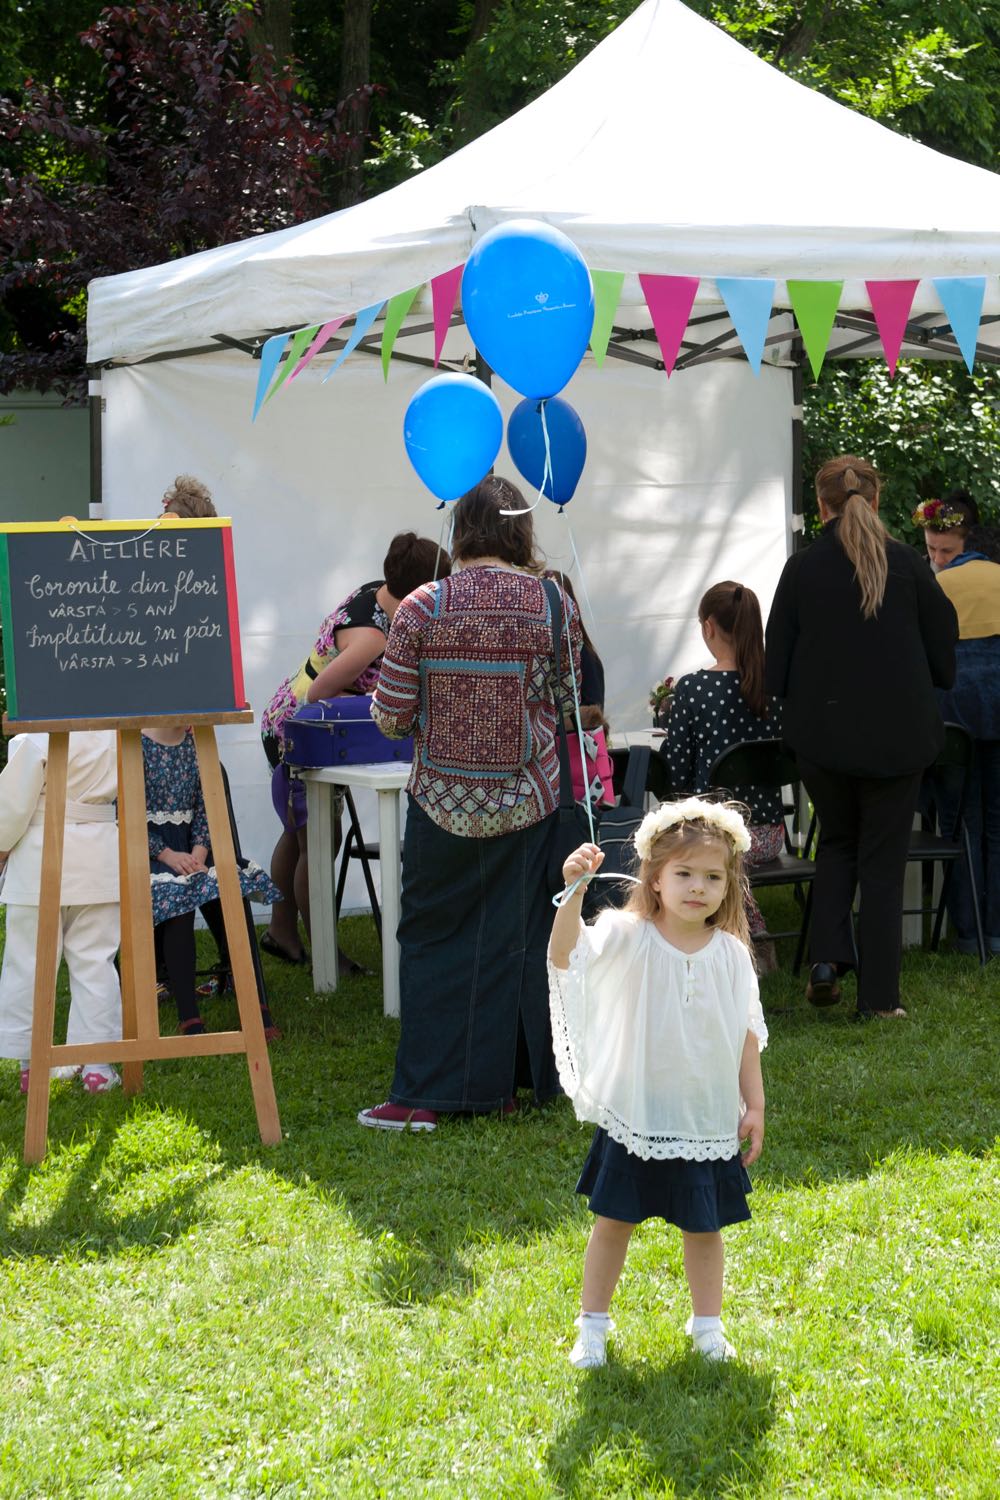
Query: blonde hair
{"points": [[671, 844], [849, 487], [188, 498]]}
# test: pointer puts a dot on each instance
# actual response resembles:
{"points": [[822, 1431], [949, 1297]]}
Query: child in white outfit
{"points": [[657, 1029], [90, 927]]}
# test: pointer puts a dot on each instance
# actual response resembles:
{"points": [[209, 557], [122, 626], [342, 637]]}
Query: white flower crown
{"points": [[691, 810]]}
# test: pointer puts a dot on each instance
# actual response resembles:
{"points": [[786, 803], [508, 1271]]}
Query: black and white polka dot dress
{"points": [[708, 716]]}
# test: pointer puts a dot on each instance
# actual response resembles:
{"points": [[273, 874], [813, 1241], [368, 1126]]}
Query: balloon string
{"points": [[448, 517], [564, 895], [546, 471]]}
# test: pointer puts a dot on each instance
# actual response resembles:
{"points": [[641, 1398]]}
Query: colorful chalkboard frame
{"points": [[208, 683]]}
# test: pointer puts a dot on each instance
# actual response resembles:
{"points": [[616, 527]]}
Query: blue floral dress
{"points": [[175, 819]]}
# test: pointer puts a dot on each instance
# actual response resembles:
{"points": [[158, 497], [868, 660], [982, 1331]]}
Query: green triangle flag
{"points": [[300, 341], [815, 306], [607, 290], [396, 309]]}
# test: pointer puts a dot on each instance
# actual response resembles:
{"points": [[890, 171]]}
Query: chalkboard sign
{"points": [[119, 619]]}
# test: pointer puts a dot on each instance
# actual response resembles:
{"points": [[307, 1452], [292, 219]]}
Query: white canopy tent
{"points": [[687, 481]]}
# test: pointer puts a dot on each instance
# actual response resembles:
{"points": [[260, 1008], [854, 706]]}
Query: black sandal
{"points": [[267, 944]]}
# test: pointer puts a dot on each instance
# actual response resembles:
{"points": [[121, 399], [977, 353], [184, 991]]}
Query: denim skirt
{"points": [[474, 1001], [697, 1196]]}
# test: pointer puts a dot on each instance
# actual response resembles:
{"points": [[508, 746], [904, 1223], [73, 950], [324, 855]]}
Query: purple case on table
{"points": [[339, 732]]}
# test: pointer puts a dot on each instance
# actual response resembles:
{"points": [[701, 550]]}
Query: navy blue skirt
{"points": [[697, 1196]]}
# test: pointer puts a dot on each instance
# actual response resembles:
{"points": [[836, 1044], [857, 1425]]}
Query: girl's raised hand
{"points": [[586, 860]]}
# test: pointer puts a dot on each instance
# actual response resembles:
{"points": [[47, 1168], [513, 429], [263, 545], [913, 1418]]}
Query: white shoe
{"points": [[101, 1078], [590, 1350], [711, 1343]]}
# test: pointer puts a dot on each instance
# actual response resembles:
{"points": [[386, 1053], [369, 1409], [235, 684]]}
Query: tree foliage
{"points": [[202, 139]]}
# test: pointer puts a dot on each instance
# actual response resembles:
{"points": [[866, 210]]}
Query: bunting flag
{"points": [[322, 338], [295, 348], [748, 302], [815, 304], [444, 294], [891, 302], [669, 299], [962, 299], [396, 310], [362, 322], [269, 357], [607, 290]]}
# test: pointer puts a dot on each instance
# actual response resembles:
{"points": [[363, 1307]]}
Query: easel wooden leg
{"points": [[47, 952], [135, 882], [247, 999], [131, 1071]]}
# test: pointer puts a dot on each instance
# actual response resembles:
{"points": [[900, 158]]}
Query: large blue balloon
{"points": [[528, 302], [567, 447], [452, 430]]}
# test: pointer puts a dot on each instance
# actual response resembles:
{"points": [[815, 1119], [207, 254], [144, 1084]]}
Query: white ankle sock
{"points": [[595, 1320], [700, 1324]]}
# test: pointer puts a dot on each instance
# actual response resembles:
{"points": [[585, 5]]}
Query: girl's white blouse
{"points": [[648, 1040]]}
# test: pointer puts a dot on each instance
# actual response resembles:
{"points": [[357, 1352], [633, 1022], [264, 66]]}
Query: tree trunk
{"points": [[274, 28], [355, 70]]}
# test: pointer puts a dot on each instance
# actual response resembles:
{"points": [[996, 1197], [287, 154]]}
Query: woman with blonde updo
{"points": [[858, 638]]}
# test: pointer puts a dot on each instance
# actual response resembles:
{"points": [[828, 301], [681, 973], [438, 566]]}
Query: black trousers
{"points": [[864, 834]]}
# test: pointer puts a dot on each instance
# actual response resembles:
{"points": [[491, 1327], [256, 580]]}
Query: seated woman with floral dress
{"points": [[345, 659], [721, 706]]}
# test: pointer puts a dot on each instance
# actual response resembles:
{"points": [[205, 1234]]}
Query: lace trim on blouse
{"points": [[568, 1043], [159, 818]]}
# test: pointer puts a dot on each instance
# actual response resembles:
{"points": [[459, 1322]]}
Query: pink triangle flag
{"points": [[891, 302], [444, 291], [322, 338], [669, 299]]}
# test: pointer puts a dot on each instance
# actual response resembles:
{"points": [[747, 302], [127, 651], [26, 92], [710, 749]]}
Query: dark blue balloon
{"points": [[528, 302], [567, 447], [452, 430]]}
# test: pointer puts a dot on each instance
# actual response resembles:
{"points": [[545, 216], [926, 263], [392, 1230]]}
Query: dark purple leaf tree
{"points": [[204, 139]]}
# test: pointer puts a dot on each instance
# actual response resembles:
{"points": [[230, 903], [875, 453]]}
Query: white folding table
{"points": [[388, 780]]}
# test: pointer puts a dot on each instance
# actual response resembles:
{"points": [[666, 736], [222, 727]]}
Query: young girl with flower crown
{"points": [[658, 1029]]}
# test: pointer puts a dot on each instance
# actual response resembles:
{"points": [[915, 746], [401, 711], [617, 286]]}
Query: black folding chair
{"points": [[765, 766], [928, 846], [355, 847]]}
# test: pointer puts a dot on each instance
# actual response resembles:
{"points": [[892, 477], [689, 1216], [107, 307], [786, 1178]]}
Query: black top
{"points": [[859, 693], [708, 716], [591, 677]]}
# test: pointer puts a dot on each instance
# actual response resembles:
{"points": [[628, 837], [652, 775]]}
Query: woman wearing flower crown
{"points": [[858, 637], [658, 1030]]}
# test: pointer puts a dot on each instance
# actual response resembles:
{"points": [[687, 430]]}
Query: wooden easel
{"points": [[140, 1018]]}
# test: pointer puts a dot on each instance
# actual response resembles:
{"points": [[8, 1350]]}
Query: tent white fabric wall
{"points": [[687, 482]]}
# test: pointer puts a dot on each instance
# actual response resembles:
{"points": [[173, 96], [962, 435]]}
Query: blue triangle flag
{"points": [[270, 356], [748, 301], [962, 299], [362, 322]]}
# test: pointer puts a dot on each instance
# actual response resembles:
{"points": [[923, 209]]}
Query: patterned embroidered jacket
{"points": [[469, 670]]}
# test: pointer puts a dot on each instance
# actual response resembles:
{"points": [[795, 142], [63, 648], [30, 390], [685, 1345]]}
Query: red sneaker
{"points": [[398, 1117]]}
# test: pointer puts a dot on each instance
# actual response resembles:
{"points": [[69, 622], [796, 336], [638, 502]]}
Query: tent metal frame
{"points": [[923, 333]]}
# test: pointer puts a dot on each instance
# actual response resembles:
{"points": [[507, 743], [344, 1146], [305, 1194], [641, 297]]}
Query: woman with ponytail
{"points": [[859, 636], [719, 707]]}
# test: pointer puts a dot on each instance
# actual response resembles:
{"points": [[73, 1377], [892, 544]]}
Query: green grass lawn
{"points": [[183, 1312]]}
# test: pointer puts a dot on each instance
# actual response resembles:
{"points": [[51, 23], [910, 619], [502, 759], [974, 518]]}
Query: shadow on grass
{"points": [[694, 1427], [133, 1182]]}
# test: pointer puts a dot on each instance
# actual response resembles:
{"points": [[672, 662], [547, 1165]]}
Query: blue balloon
{"points": [[567, 447], [528, 302], [452, 430]]}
